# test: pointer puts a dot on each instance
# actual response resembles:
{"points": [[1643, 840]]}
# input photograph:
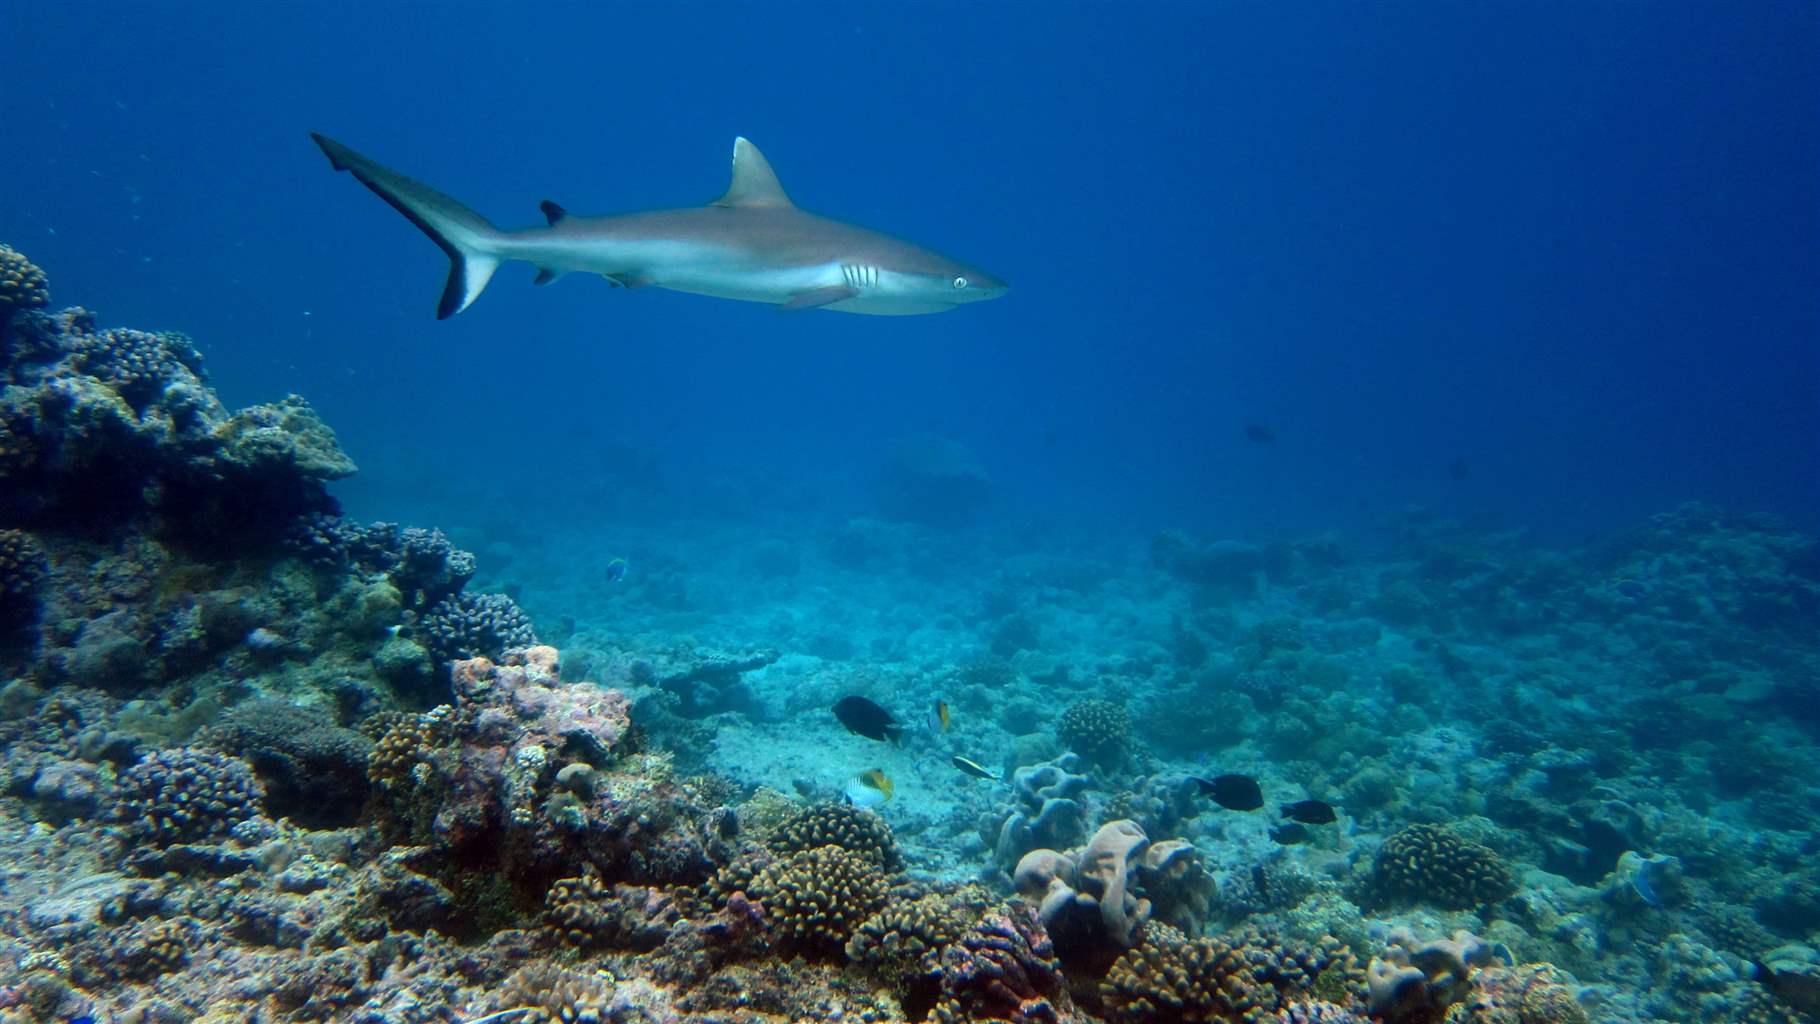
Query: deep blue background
{"points": [[1573, 245]]}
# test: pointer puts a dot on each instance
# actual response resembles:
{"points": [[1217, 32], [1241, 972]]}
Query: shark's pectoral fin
{"points": [[627, 280], [552, 212], [545, 275], [815, 297]]}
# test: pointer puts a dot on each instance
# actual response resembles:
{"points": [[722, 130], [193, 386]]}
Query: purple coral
{"points": [[1004, 968]]}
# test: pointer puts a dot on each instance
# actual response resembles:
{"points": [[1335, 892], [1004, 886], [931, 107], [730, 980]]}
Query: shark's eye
{"points": [[960, 282]]}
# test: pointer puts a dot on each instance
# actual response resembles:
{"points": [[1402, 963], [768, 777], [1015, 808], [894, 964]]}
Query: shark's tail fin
{"points": [[473, 244]]}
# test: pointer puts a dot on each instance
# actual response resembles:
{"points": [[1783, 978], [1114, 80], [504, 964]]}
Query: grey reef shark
{"points": [[752, 243]]}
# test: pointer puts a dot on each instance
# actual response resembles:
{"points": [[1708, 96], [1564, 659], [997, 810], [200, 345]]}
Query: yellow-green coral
{"points": [[1098, 730], [815, 899], [22, 284], [1430, 864], [905, 940], [853, 829], [1246, 976]]}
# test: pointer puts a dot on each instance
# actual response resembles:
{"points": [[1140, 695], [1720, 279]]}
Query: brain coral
{"points": [[186, 795], [22, 284], [853, 829], [1098, 730], [1430, 864], [1246, 976], [816, 898]]}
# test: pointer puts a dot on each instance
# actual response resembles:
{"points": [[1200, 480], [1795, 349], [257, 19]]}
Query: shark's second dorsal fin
{"points": [[552, 212], [754, 183]]}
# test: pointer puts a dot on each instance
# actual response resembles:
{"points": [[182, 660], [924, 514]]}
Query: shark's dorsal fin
{"points": [[754, 183], [552, 212]]}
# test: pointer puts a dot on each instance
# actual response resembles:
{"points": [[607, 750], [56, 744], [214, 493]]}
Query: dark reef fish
{"points": [[1311, 812], [1233, 792], [1290, 834], [1796, 988], [865, 718], [1260, 433]]}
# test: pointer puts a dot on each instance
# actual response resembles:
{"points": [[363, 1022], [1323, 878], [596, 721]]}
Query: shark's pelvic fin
{"points": [[754, 183], [819, 297], [545, 275], [471, 243], [552, 212]]}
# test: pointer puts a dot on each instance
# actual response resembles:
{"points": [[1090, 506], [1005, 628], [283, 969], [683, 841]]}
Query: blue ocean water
{"points": [[1566, 251], [1400, 442]]}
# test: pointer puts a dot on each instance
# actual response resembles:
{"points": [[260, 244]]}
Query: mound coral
{"points": [[22, 284], [135, 364], [1098, 730], [1247, 976], [185, 795], [854, 829], [815, 899], [1431, 864]]}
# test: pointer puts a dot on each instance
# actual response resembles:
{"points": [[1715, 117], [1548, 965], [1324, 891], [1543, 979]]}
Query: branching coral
{"points": [[548, 994], [476, 626], [1431, 864], [185, 795]]}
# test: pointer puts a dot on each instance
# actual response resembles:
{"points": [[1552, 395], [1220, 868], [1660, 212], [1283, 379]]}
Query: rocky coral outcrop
{"points": [[1045, 811], [1087, 898]]}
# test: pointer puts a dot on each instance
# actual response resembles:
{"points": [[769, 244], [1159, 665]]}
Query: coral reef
{"points": [[22, 285], [1003, 968], [1087, 898], [1415, 982], [1248, 976], [1045, 811], [854, 829], [815, 899], [468, 625], [1098, 730], [1431, 864], [183, 795]]}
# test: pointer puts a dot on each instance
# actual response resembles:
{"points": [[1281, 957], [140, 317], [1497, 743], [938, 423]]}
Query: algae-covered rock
{"points": [[283, 435]]}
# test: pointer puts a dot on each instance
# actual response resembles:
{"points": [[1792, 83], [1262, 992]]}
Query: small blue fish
{"points": [[84, 1019], [1643, 887], [617, 569]]}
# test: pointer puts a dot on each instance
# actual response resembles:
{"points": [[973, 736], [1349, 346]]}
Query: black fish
{"points": [[1459, 469], [1291, 834], [1311, 812], [1260, 433], [865, 718], [1233, 792]]}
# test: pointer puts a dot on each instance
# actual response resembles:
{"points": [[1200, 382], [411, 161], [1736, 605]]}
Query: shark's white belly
{"points": [[711, 270]]}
